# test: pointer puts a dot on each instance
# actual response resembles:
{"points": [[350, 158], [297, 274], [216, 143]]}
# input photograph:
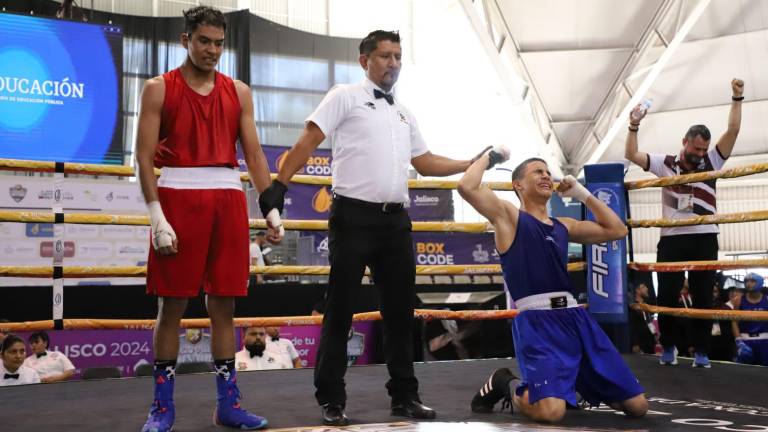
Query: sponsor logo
{"points": [[402, 116], [321, 201], [110, 196], [322, 248], [47, 248], [426, 200], [432, 253], [39, 230], [480, 255], [17, 192], [316, 165]]}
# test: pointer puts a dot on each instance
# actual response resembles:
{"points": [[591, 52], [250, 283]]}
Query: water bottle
{"points": [[639, 112]]}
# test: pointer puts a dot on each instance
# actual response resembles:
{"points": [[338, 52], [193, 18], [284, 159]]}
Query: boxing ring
{"points": [[727, 397]]}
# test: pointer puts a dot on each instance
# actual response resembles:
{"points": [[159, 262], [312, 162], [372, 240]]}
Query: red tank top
{"points": [[197, 130]]}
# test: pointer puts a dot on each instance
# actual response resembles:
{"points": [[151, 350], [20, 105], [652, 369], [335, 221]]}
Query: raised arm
{"points": [[630, 147], [501, 214], [726, 142], [607, 225]]}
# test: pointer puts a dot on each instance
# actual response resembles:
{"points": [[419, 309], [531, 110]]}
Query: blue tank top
{"points": [[749, 327], [536, 263]]}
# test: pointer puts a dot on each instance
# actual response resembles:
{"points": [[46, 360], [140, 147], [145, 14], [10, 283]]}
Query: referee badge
{"points": [[402, 117], [370, 105]]}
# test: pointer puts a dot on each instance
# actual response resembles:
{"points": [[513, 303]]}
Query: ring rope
{"points": [[713, 314], [424, 314], [147, 324], [698, 177], [141, 271], [697, 265], [129, 171], [752, 216], [309, 225]]}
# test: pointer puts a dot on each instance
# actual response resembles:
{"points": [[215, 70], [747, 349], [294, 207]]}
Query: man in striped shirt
{"points": [[688, 243]]}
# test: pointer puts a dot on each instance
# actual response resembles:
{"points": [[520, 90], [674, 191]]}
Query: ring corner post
{"points": [[607, 262]]}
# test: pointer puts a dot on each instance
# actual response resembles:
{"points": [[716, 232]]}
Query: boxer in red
{"points": [[189, 122]]}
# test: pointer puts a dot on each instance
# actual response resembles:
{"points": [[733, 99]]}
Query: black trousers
{"points": [[686, 247], [363, 235]]}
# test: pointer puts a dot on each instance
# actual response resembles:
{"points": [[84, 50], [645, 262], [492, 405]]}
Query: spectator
{"points": [[752, 336], [3, 333], [283, 348], [12, 369], [684, 330], [52, 366], [723, 342], [688, 243], [254, 355], [641, 324], [258, 250]]}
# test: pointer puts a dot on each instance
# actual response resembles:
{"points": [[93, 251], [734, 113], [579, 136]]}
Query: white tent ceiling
{"points": [[586, 58]]}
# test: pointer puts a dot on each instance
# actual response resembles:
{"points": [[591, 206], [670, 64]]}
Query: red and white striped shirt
{"points": [[688, 200]]}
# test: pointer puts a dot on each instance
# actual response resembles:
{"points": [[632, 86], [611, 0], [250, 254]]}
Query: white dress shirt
{"points": [[26, 376], [268, 360], [52, 363], [372, 142], [284, 349]]}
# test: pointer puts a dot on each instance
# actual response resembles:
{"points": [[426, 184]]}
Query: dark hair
{"points": [[40, 335], [698, 130], [8, 342], [370, 42], [203, 15], [517, 174]]}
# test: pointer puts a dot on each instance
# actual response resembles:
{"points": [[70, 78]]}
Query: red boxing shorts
{"points": [[211, 227]]}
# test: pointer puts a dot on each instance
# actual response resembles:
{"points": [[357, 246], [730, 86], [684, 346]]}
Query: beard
{"points": [[693, 159], [256, 349]]}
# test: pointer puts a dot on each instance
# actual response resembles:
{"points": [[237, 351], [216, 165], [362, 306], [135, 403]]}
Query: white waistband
{"points": [[759, 336], [200, 178], [544, 301]]}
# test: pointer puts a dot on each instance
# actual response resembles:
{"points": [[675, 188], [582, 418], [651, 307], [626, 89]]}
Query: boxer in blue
{"points": [[560, 349], [752, 336]]}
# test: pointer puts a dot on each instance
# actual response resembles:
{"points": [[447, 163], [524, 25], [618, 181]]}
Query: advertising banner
{"points": [[607, 262]]}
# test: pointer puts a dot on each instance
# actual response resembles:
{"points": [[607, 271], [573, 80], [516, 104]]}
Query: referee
{"points": [[374, 139]]}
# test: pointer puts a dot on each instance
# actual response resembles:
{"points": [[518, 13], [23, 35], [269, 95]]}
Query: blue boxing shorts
{"points": [[563, 351], [759, 345]]}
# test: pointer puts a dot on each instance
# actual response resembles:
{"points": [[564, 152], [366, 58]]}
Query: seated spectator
{"points": [[52, 366], [723, 343], [254, 355], [12, 369], [282, 347], [752, 336], [643, 338]]}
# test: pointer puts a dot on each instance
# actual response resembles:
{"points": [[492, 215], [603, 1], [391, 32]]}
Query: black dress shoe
{"points": [[412, 409], [333, 415]]}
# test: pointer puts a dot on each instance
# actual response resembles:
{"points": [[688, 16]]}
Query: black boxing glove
{"points": [[272, 197]]}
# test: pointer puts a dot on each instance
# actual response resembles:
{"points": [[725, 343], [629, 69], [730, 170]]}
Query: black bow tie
{"points": [[388, 97], [276, 339], [14, 376], [42, 354]]}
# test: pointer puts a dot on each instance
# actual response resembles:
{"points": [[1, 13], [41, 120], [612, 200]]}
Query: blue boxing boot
{"points": [[162, 413], [228, 411]]}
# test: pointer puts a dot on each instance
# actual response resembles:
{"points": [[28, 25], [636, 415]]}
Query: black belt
{"points": [[382, 207]]}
